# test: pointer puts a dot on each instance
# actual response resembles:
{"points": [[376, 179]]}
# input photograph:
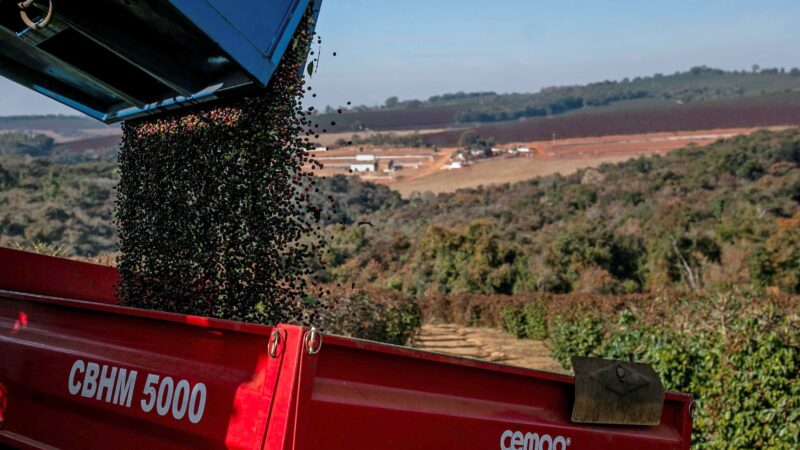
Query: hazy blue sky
{"points": [[419, 48]]}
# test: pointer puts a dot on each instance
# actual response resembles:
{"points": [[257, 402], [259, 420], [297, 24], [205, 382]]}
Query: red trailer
{"points": [[78, 371]]}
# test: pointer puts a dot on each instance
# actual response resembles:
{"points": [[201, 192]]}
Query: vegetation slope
{"points": [[717, 217]]}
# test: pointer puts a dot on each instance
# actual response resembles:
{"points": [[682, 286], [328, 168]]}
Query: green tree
{"points": [[468, 261], [777, 262], [470, 139], [392, 102], [51, 185], [7, 180]]}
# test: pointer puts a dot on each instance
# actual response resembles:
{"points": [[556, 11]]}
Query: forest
{"points": [[698, 84], [70, 206]]}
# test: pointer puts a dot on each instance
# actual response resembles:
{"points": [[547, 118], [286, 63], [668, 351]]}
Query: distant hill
{"points": [[31, 143], [697, 85], [71, 205], [700, 98], [766, 110], [65, 125], [65, 139]]}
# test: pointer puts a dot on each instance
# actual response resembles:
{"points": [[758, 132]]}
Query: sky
{"points": [[419, 48]]}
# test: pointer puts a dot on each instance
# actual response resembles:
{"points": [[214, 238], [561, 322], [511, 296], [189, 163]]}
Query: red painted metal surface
{"points": [[58, 277], [63, 373], [396, 398], [352, 395]]}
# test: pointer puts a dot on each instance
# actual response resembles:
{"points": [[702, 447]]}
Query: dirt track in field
{"points": [[497, 172], [486, 344]]}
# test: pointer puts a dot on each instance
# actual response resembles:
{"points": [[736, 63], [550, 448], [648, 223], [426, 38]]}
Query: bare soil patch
{"points": [[562, 156], [486, 344]]}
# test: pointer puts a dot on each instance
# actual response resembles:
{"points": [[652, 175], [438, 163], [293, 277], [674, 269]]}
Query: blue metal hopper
{"points": [[121, 59]]}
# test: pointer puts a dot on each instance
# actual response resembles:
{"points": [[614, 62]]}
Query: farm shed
{"points": [[371, 167]]}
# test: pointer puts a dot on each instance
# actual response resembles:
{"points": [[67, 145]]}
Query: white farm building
{"points": [[364, 167]]}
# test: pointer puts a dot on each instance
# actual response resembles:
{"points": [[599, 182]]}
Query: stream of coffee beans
{"points": [[213, 205]]}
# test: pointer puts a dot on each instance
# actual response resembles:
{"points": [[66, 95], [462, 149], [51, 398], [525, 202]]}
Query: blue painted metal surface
{"points": [[119, 59]]}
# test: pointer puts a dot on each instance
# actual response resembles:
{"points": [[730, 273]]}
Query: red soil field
{"points": [[99, 143], [438, 117], [775, 110]]}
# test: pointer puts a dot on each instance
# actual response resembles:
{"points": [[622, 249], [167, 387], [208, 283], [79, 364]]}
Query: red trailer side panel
{"points": [[58, 277], [80, 375], [368, 396]]}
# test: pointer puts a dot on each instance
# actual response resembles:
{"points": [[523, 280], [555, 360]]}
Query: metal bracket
{"points": [[276, 341], [313, 341], [616, 393]]}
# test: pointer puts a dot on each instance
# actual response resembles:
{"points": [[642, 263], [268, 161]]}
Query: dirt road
{"points": [[487, 344]]}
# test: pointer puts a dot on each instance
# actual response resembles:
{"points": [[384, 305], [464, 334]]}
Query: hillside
{"points": [[15, 143], [776, 109], [695, 86], [700, 98], [64, 139], [564, 156], [71, 205], [66, 125], [66, 205], [726, 215], [42, 145]]}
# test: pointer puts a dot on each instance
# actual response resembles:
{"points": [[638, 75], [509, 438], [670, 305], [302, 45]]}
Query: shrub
{"points": [[526, 322], [382, 316], [43, 248], [492, 310], [468, 310], [738, 355], [575, 337]]}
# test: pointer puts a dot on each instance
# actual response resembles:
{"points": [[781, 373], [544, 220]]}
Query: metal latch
{"points": [[616, 392]]}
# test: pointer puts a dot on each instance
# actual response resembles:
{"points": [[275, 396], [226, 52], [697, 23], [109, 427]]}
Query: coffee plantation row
{"points": [[737, 353]]}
